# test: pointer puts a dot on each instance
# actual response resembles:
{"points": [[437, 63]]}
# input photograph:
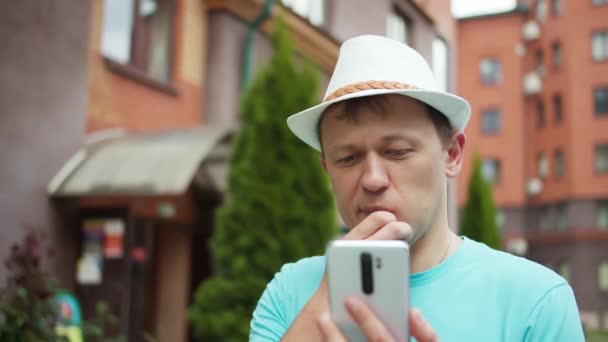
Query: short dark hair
{"points": [[352, 108]]}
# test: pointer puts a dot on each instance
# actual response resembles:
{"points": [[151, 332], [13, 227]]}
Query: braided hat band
{"points": [[367, 85]]}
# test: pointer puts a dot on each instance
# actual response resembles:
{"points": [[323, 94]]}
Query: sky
{"points": [[465, 8]]}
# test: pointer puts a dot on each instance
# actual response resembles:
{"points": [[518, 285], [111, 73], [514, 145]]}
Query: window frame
{"points": [[558, 108], [544, 219], [602, 266], [497, 170], [561, 208], [498, 129], [557, 66], [541, 118], [397, 13], [134, 68], [596, 90], [603, 33], [542, 169], [560, 270], [539, 61], [601, 204], [595, 158], [438, 39], [498, 79], [559, 165], [557, 11], [540, 11], [309, 15]]}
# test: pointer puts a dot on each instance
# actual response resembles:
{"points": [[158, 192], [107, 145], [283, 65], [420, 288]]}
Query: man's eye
{"points": [[397, 153], [348, 160]]}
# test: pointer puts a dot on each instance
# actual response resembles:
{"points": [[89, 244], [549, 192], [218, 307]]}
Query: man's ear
{"points": [[455, 155], [323, 163]]}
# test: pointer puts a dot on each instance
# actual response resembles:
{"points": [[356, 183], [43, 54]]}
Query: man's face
{"points": [[390, 158]]}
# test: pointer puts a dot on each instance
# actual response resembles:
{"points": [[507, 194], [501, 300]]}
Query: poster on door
{"points": [[114, 230], [90, 264]]}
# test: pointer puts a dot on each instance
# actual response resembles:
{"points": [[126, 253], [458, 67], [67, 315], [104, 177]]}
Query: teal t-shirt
{"points": [[477, 294]]}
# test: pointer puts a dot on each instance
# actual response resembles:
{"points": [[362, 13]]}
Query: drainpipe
{"points": [[247, 60]]}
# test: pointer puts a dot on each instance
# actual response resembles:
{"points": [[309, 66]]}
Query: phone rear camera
{"points": [[367, 277]]}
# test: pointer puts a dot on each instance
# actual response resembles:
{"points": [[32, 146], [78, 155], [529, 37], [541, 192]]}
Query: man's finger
{"points": [[420, 329], [370, 225], [329, 330], [397, 230], [370, 325]]}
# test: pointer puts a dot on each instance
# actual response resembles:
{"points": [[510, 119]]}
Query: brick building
{"points": [[536, 79]]}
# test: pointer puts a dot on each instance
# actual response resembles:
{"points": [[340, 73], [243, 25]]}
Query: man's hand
{"points": [[371, 326], [380, 225]]}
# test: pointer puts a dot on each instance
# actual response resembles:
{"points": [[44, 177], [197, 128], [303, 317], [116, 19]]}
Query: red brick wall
{"points": [[117, 100], [493, 37]]}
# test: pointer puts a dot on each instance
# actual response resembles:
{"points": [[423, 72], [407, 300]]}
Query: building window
{"points": [[540, 64], [540, 114], [117, 28], [601, 214], [398, 27], [564, 270], [556, 7], [556, 51], [602, 276], [440, 62], [562, 217], [559, 163], [600, 101], [490, 121], [541, 10], [490, 169], [558, 108], [599, 46], [543, 166], [544, 219], [138, 33], [313, 10], [490, 70], [601, 158]]}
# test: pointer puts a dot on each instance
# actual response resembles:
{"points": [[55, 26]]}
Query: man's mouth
{"points": [[366, 211]]}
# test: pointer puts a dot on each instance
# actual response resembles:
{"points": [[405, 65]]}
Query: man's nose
{"points": [[375, 178]]}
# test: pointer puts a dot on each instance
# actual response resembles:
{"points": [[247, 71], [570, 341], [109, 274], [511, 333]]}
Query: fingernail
{"points": [[324, 317], [352, 303], [416, 314], [324, 321]]}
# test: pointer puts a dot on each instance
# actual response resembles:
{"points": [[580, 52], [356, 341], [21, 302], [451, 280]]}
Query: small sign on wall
{"points": [[103, 238]]}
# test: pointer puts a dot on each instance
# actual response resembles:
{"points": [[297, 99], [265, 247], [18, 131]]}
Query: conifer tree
{"points": [[278, 208], [478, 219]]}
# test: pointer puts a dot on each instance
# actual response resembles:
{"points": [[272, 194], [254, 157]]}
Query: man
{"points": [[389, 141]]}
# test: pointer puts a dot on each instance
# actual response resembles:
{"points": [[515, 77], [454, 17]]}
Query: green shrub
{"points": [[278, 208], [478, 219]]}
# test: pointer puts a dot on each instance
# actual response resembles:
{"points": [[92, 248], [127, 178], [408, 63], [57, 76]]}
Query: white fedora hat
{"points": [[374, 65]]}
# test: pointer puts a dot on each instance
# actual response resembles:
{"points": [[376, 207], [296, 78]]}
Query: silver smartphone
{"points": [[378, 273]]}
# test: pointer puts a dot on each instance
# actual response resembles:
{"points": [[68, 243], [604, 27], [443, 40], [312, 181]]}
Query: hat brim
{"points": [[455, 108]]}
